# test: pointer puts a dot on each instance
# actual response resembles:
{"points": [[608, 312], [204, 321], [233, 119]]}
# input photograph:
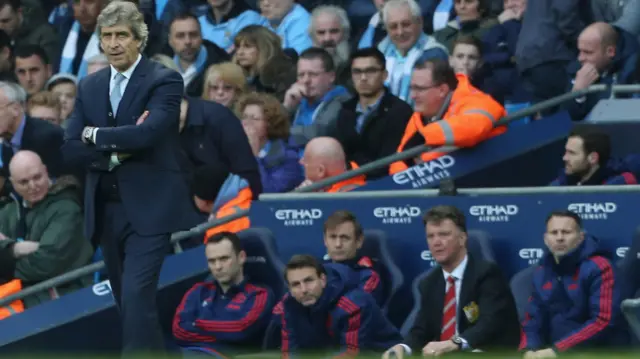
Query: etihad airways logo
{"points": [[494, 213], [593, 211], [298, 217], [426, 174], [397, 215]]}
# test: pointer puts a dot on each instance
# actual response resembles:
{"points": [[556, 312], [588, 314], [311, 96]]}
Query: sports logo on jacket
{"points": [[472, 312]]}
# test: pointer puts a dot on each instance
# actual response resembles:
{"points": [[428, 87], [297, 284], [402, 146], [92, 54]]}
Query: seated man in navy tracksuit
{"points": [[576, 294], [229, 315], [343, 237], [587, 161], [326, 311]]}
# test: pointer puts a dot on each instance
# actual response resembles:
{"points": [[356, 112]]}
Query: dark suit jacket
{"points": [[151, 183], [45, 139], [483, 283], [381, 133]]}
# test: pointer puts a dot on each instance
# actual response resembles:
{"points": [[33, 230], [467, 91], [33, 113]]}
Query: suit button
{"points": [[113, 146], [110, 114]]}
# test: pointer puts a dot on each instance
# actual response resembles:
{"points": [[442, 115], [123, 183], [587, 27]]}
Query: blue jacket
{"points": [[368, 277], [575, 303], [344, 318], [224, 32], [621, 72], [223, 322], [293, 29], [619, 171], [280, 169]]}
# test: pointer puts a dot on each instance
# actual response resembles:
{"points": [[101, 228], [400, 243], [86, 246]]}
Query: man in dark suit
{"points": [[124, 129], [466, 303], [21, 132]]}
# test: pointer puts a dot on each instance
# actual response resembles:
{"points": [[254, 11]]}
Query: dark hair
{"points": [[594, 140], [300, 261], [25, 51], [5, 40], [236, 243], [184, 16], [314, 53], [441, 72], [15, 4], [369, 52], [440, 213], [339, 217], [567, 214], [468, 40]]}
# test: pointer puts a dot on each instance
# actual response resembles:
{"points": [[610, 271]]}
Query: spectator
{"points": [[343, 237], [225, 19], [406, 45], [80, 42], [323, 159], [32, 68], [226, 316], [6, 59], [46, 106], [590, 316], [65, 87], [547, 44], [499, 54], [53, 230], [96, 63], [473, 19], [314, 99], [606, 56], [266, 124], [624, 14], [325, 310], [193, 55], [490, 319], [26, 133], [224, 83], [370, 125], [28, 30], [586, 158], [288, 20], [329, 30], [266, 66], [375, 30], [435, 122]]}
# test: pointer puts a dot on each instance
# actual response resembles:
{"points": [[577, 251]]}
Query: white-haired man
{"points": [[124, 130], [329, 29]]}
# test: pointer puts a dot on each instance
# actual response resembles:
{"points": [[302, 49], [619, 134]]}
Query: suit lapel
{"points": [[466, 289], [101, 97], [438, 303], [132, 89]]}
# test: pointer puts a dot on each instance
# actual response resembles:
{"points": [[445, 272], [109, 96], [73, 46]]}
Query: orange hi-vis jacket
{"points": [[240, 202], [6, 290], [348, 184], [470, 118]]}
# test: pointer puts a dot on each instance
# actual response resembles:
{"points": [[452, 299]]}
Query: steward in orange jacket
{"points": [[237, 204], [324, 158], [468, 116]]}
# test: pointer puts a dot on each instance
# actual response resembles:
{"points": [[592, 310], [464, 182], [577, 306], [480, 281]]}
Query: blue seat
{"points": [[375, 247], [521, 288], [263, 264], [478, 244]]}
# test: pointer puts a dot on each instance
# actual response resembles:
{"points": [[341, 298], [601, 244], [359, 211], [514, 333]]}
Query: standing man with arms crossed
{"points": [[124, 129]]}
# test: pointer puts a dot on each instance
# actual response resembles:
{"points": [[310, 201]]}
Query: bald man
{"points": [[49, 242], [607, 55], [324, 158]]}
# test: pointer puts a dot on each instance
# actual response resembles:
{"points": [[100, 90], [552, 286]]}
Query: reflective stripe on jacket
{"points": [[348, 184], [16, 306], [240, 202], [469, 119]]}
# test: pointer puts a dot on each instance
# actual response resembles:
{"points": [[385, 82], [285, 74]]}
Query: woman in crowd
{"points": [[472, 19], [224, 83]]}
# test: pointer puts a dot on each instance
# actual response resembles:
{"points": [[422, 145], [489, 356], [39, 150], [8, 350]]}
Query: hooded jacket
{"points": [[575, 302], [344, 318]]}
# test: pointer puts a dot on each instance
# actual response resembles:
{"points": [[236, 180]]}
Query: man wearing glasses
{"points": [[371, 124]]}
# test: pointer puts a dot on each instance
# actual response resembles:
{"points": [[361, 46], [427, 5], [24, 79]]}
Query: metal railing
{"points": [[630, 308], [374, 165]]}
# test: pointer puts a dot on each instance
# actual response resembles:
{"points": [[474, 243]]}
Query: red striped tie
{"points": [[450, 310]]}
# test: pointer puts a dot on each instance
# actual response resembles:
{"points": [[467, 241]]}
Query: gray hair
{"points": [[165, 61], [339, 12], [413, 6], [13, 92], [97, 59], [124, 13]]}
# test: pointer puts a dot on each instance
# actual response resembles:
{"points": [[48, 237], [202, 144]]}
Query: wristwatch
{"points": [[87, 133], [457, 341]]}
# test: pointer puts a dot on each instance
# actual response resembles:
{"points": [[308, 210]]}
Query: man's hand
{"points": [[439, 348], [545, 353], [142, 118], [294, 95], [396, 351], [506, 15], [305, 183], [530, 354], [585, 77], [24, 248]]}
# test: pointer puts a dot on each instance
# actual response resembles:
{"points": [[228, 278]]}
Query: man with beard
{"points": [[586, 161], [329, 29], [193, 55]]}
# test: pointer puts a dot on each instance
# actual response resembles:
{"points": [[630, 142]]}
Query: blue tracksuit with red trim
{"points": [[368, 277], [223, 323], [344, 319], [575, 303]]}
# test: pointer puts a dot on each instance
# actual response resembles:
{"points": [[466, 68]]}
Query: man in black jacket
{"points": [[371, 125]]}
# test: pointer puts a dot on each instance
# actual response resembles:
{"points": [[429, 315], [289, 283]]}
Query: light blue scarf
{"points": [[160, 5], [367, 37], [69, 52], [230, 189], [442, 14], [200, 63]]}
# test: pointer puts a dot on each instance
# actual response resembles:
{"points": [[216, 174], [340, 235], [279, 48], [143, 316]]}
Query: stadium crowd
{"points": [[279, 95]]}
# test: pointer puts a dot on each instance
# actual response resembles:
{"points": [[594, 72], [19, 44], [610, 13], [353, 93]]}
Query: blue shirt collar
{"points": [[16, 140]]}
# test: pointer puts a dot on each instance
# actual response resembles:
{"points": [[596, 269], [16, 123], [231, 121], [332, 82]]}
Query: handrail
{"points": [[629, 309], [203, 227]]}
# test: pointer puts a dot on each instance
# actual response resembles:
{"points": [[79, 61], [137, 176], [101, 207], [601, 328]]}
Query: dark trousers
{"points": [[133, 265], [546, 81]]}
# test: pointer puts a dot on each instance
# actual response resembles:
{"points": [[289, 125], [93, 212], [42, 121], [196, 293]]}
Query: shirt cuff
{"points": [[93, 135], [406, 348], [465, 344], [113, 161]]}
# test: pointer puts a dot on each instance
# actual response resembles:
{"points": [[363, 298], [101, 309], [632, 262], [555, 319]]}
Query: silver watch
{"points": [[88, 133]]}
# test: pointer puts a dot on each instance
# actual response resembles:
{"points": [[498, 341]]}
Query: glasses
{"points": [[368, 71], [416, 88]]}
